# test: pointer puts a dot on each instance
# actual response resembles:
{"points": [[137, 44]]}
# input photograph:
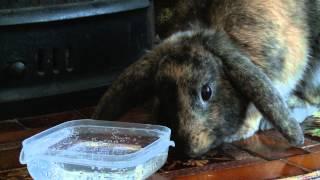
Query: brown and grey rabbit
{"points": [[229, 67]]}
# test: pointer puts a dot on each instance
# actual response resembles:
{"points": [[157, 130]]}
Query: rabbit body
{"points": [[229, 67]]}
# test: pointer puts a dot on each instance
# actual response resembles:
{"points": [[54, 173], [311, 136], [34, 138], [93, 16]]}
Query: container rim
{"points": [[116, 161], [67, 11]]}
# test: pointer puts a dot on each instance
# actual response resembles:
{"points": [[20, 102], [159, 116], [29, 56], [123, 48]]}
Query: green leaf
{"points": [[317, 114], [315, 132]]}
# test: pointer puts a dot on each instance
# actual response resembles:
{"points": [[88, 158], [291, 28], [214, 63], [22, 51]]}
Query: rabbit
{"points": [[228, 67]]}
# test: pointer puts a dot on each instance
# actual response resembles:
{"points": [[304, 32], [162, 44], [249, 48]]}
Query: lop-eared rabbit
{"points": [[229, 69]]}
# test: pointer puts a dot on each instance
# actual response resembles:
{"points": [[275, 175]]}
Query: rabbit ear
{"points": [[254, 84], [132, 87]]}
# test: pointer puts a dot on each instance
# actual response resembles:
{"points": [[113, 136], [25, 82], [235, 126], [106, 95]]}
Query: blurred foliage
{"points": [[164, 14], [312, 125]]}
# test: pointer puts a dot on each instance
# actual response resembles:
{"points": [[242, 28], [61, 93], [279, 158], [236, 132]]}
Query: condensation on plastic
{"points": [[103, 145]]}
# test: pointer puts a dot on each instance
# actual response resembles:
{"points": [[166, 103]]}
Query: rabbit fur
{"points": [[228, 69]]}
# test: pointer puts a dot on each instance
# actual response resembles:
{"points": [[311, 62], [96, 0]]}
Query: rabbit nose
{"points": [[182, 149], [193, 145], [187, 151]]}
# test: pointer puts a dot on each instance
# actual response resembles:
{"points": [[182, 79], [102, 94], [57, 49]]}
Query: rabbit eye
{"points": [[206, 92]]}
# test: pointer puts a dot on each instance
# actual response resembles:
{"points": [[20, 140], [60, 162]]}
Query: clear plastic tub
{"points": [[91, 149]]}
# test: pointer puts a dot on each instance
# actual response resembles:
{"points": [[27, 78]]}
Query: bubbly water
{"points": [[94, 146], [42, 169]]}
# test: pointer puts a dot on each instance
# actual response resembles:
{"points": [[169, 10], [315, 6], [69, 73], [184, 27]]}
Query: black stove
{"points": [[53, 48]]}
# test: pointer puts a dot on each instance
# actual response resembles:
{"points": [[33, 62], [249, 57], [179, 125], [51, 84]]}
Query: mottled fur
{"points": [[255, 55]]}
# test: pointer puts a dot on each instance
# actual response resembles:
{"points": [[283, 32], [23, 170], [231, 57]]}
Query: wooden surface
{"points": [[264, 156]]}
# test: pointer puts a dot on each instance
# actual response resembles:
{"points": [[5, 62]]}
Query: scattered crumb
{"points": [[196, 163], [173, 165]]}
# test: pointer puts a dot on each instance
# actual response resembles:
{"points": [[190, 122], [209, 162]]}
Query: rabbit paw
{"points": [[295, 136]]}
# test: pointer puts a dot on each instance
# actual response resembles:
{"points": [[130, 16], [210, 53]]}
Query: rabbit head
{"points": [[195, 98], [202, 84]]}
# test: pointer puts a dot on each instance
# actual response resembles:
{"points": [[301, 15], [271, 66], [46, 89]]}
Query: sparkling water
{"points": [[89, 149], [91, 146], [43, 169]]}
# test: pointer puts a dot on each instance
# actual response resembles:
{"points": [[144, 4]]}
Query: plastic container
{"points": [[91, 149]]}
